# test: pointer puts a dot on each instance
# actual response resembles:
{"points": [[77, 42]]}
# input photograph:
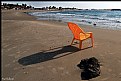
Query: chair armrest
{"points": [[89, 32]]}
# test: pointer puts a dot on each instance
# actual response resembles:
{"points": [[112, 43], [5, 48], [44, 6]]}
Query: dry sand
{"points": [[35, 50]]}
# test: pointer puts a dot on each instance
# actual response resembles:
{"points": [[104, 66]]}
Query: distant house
{"points": [[15, 6], [115, 9], [25, 6]]}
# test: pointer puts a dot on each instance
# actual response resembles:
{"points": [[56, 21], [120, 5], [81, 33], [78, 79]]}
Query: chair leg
{"points": [[72, 41], [80, 45], [92, 40]]}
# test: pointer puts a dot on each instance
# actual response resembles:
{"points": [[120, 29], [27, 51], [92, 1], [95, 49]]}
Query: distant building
{"points": [[15, 6], [25, 6], [115, 9]]}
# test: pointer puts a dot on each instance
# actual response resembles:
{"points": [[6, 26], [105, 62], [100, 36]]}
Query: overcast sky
{"points": [[76, 4]]}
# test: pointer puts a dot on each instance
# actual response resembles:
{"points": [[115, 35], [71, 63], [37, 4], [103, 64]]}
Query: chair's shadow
{"points": [[48, 55]]}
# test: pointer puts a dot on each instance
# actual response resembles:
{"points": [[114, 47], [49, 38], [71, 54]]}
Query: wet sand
{"points": [[34, 50]]}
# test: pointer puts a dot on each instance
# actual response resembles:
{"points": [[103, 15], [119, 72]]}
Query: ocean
{"points": [[102, 18]]}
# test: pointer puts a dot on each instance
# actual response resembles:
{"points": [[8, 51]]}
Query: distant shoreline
{"points": [[31, 17], [93, 24]]}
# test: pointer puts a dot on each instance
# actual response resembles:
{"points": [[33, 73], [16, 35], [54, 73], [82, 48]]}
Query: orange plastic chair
{"points": [[79, 34]]}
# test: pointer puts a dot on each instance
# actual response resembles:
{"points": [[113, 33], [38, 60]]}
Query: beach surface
{"points": [[36, 50]]}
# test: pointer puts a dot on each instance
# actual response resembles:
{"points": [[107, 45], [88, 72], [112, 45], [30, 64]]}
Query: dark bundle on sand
{"points": [[91, 68]]}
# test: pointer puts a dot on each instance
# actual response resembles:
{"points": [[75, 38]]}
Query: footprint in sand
{"points": [[17, 56], [110, 53], [54, 70], [14, 47], [114, 75], [119, 61], [16, 68], [14, 61], [18, 52], [40, 68], [101, 55], [61, 68], [6, 45], [65, 73], [109, 70], [104, 79], [16, 39], [21, 52], [120, 74], [96, 45], [26, 72], [11, 55], [7, 65], [11, 48], [49, 66]]}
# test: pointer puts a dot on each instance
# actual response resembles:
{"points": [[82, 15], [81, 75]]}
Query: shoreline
{"points": [[92, 25], [35, 18], [34, 48]]}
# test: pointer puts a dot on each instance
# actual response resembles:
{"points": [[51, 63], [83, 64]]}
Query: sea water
{"points": [[102, 18]]}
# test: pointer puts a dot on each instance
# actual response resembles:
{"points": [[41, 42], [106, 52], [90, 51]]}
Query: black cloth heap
{"points": [[91, 68]]}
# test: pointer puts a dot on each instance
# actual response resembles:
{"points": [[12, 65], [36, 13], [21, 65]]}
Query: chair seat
{"points": [[84, 36]]}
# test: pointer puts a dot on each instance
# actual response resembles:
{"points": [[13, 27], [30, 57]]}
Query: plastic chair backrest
{"points": [[76, 30]]}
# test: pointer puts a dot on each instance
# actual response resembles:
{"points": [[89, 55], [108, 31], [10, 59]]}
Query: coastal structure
{"points": [[6, 6], [16, 6]]}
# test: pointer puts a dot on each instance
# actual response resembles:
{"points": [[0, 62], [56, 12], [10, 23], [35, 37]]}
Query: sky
{"points": [[71, 4]]}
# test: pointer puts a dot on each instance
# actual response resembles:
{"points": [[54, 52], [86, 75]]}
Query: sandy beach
{"points": [[36, 50]]}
